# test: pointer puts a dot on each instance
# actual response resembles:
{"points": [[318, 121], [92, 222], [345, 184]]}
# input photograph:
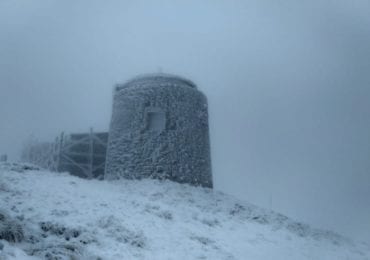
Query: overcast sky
{"points": [[288, 84]]}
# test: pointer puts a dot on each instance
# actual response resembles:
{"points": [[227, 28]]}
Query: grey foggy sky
{"points": [[288, 84]]}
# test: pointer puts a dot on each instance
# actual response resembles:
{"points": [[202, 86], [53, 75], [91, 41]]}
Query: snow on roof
{"points": [[156, 78]]}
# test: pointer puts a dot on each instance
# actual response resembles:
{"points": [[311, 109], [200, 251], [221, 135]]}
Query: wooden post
{"points": [[55, 156], [3, 158], [91, 154]]}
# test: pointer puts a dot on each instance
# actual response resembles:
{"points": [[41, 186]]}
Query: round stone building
{"points": [[159, 129]]}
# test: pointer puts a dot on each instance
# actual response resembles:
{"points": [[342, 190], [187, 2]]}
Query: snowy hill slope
{"points": [[64, 217]]}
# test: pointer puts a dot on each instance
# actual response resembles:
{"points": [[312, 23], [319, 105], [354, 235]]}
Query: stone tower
{"points": [[159, 129]]}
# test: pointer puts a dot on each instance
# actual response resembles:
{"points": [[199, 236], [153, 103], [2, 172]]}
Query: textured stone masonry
{"points": [[159, 129]]}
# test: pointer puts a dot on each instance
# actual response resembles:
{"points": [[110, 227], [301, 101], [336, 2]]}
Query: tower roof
{"points": [[157, 78]]}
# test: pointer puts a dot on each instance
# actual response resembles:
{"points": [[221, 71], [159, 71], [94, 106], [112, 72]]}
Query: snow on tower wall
{"points": [[159, 129]]}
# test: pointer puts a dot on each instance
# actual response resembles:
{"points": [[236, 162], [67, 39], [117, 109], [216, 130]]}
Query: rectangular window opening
{"points": [[156, 121]]}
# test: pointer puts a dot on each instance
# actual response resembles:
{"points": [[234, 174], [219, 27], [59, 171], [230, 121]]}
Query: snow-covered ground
{"points": [[65, 217]]}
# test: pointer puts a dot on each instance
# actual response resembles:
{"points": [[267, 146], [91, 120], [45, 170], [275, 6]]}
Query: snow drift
{"points": [[59, 216]]}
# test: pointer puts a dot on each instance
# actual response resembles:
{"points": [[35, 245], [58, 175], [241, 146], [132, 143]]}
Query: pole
{"points": [[91, 159]]}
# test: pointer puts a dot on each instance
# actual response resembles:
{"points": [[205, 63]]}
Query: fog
{"points": [[288, 86]]}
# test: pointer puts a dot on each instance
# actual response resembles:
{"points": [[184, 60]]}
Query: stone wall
{"points": [[159, 129]]}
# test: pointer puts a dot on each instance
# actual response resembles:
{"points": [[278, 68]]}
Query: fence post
{"points": [[3, 158]]}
